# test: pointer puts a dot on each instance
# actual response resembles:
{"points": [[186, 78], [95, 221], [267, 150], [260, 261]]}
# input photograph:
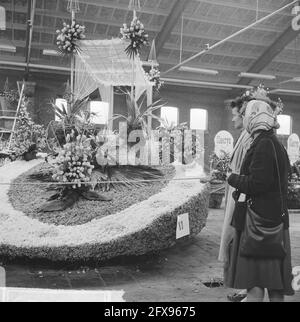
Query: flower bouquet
{"points": [[68, 36], [154, 77], [137, 36], [220, 166]]}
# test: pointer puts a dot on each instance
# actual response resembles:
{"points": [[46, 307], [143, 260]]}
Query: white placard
{"points": [[183, 226], [294, 148], [223, 143]]}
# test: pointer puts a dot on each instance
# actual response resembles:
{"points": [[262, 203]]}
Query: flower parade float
{"points": [[84, 202], [101, 212]]}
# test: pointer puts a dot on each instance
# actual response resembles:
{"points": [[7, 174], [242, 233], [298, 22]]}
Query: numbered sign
{"points": [[223, 143], [183, 226], [294, 148]]}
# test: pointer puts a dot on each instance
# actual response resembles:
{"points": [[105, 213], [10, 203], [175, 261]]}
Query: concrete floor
{"points": [[174, 275]]}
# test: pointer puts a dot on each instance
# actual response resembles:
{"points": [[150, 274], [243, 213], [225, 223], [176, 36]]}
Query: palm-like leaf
{"points": [[129, 176], [136, 118]]}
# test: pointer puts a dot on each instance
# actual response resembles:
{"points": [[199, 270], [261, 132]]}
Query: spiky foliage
{"points": [[137, 113], [75, 117]]}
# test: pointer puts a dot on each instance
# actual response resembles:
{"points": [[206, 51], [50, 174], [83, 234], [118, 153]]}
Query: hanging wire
{"points": [[12, 19], [73, 6], [134, 5], [257, 9], [181, 38]]}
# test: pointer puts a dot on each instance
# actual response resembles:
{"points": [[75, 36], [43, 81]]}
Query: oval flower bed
{"points": [[147, 226]]}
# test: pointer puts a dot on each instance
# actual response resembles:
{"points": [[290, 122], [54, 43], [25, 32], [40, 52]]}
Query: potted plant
{"points": [[294, 187], [219, 169]]}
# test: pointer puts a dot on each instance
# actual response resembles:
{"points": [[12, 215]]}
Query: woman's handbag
{"points": [[263, 238]]}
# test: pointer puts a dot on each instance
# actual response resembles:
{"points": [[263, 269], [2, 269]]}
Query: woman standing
{"points": [[239, 152], [265, 184]]}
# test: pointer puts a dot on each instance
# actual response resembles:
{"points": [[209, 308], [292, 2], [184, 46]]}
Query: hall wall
{"points": [[50, 86]]}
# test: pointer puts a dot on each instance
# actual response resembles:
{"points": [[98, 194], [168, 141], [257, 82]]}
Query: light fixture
{"points": [[8, 48], [257, 76], [50, 52], [199, 70], [150, 64], [186, 82], [292, 80], [284, 91]]}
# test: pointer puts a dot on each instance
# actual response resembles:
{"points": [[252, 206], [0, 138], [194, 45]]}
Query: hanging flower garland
{"points": [[137, 36], [154, 77], [68, 36]]}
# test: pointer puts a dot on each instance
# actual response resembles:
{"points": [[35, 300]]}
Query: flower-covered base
{"points": [[144, 227]]}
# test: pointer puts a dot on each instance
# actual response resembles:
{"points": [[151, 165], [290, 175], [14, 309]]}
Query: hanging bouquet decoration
{"points": [[68, 36], [137, 36], [154, 77]]}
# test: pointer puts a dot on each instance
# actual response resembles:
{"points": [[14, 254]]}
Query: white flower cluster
{"points": [[67, 37], [136, 34], [154, 77], [73, 164]]}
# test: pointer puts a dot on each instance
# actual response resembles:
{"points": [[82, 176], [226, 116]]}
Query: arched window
{"points": [[60, 103], [170, 114], [198, 119], [100, 111], [285, 122]]}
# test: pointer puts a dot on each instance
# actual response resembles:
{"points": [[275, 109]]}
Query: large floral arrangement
{"points": [[137, 36], [73, 164], [28, 137], [68, 36], [154, 77]]}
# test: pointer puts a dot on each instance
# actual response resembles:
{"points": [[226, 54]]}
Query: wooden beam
{"points": [[172, 19], [274, 50]]}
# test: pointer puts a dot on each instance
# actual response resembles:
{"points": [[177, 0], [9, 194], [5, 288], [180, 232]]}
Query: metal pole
{"points": [[17, 112], [230, 37], [72, 63]]}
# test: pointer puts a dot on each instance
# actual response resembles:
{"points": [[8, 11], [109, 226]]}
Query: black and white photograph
{"points": [[150, 153]]}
